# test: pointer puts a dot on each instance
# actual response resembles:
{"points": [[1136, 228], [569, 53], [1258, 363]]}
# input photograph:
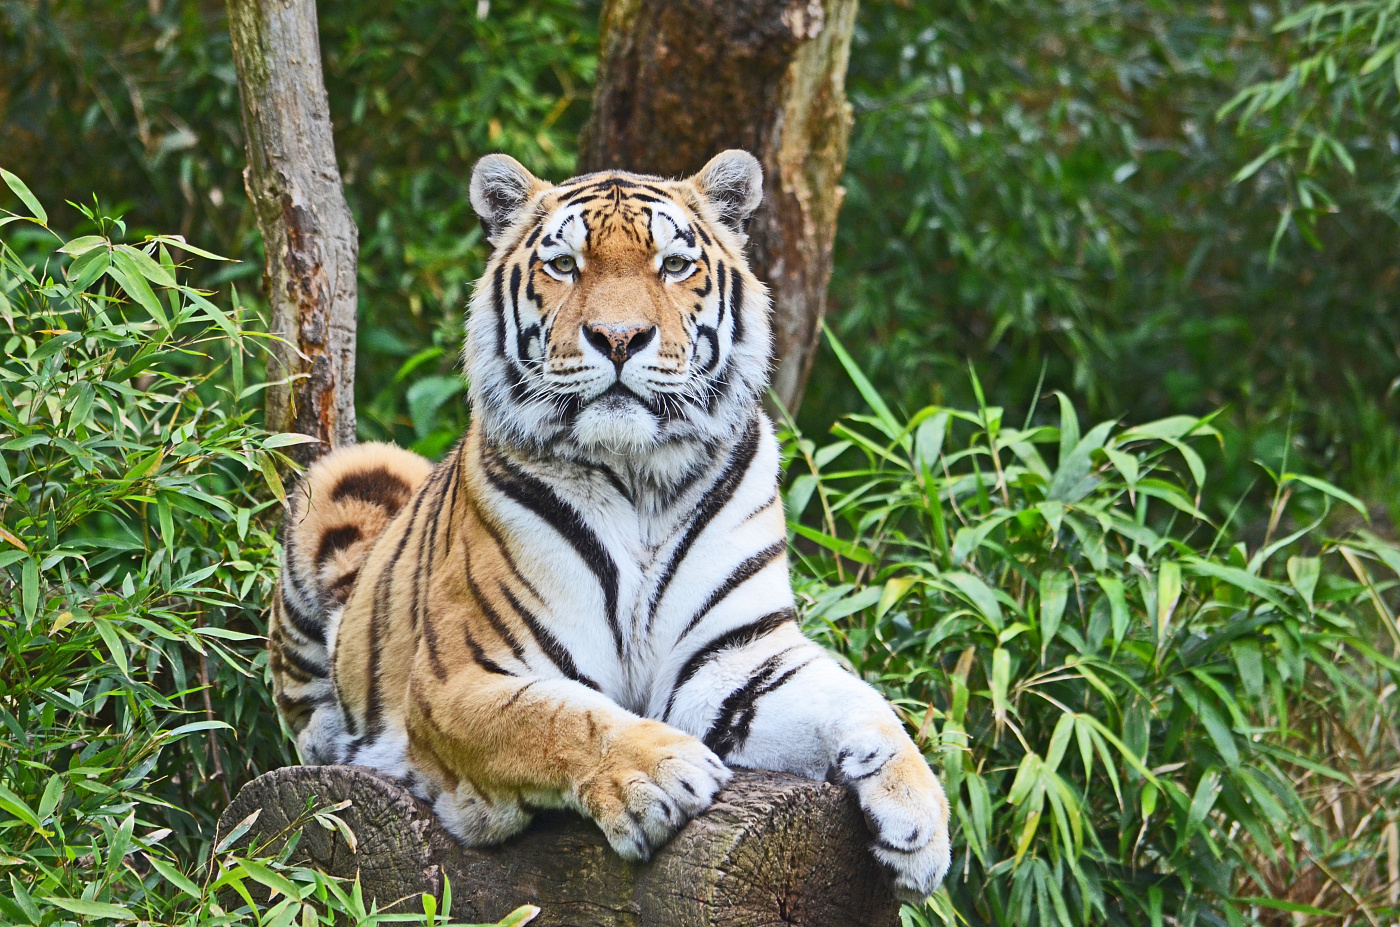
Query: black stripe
{"points": [[740, 575], [741, 636], [518, 692], [721, 274], [374, 722], [424, 561], [336, 540], [307, 626], [736, 305], [533, 494], [495, 535], [498, 306], [553, 649], [311, 669], [709, 334], [341, 588], [730, 729], [487, 609], [716, 499], [377, 486], [299, 710], [709, 279], [456, 482], [312, 626], [523, 334], [479, 655]]}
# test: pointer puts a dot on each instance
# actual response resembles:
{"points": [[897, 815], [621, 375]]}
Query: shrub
{"points": [[1138, 721], [134, 562]]}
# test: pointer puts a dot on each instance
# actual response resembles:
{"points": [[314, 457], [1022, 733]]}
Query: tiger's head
{"points": [[617, 317]]}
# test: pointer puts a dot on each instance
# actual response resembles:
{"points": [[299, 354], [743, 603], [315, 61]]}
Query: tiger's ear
{"points": [[733, 183], [500, 188]]}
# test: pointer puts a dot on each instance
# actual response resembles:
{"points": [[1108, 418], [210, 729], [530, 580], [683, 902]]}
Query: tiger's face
{"points": [[617, 317]]}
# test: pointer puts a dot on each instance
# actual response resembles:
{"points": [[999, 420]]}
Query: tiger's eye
{"points": [[675, 264], [563, 264]]}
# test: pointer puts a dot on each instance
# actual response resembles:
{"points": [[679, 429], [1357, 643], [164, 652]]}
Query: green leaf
{"points": [[1326, 487], [1072, 480], [845, 548], [969, 539], [114, 644], [1118, 604], [1168, 593], [268, 877], [82, 245], [30, 201], [928, 440], [1206, 791], [174, 876], [92, 908], [428, 395], [287, 439], [1279, 904], [12, 803], [145, 265], [29, 591], [1059, 741], [1000, 681], [178, 241], [1379, 58], [1234, 576], [896, 587], [1303, 572], [239, 829], [1054, 595], [979, 594], [194, 727], [129, 278], [520, 916], [863, 386], [53, 794]]}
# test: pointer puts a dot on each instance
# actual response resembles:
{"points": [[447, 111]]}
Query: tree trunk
{"points": [[311, 240], [774, 849], [680, 80]]}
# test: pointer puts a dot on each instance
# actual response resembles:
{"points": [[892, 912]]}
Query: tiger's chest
{"points": [[628, 584]]}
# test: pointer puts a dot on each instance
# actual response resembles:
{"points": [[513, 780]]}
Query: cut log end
{"points": [[774, 849]]}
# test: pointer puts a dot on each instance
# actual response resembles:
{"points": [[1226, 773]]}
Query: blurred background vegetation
{"points": [[1159, 210], [1072, 194]]}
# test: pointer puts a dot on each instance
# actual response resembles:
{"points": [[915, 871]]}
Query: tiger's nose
{"points": [[618, 343]]}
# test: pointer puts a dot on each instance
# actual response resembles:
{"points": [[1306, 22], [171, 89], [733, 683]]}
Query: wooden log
{"points": [[681, 80], [312, 243], [774, 849]]}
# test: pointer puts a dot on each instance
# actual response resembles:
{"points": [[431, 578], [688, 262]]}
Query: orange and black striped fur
{"points": [[587, 604]]}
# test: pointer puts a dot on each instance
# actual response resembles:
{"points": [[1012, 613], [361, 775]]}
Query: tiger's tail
{"points": [[334, 516]]}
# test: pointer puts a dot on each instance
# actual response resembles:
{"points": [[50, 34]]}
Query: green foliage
{"points": [[1138, 721], [1331, 106], [1046, 188], [134, 560]]}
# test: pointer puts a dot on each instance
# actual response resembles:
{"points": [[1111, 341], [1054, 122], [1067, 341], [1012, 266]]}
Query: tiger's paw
{"points": [[653, 779], [904, 805]]}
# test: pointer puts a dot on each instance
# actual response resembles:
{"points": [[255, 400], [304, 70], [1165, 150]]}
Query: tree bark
{"points": [[774, 849], [311, 240], [680, 80]]}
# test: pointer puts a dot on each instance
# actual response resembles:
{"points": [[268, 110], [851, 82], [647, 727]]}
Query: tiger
{"points": [[586, 604]]}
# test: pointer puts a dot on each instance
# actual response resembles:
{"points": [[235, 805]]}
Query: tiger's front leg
{"points": [[498, 745], [780, 702]]}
